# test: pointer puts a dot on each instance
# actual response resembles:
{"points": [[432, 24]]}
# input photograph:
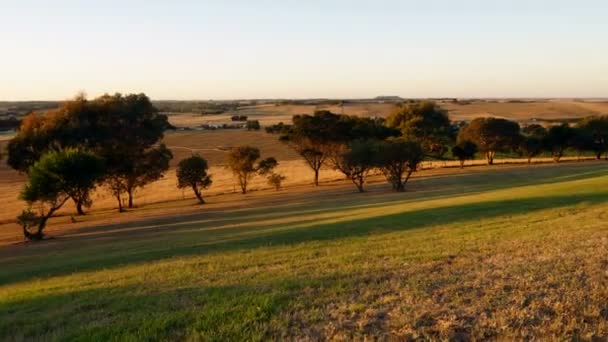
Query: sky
{"points": [[229, 49]]}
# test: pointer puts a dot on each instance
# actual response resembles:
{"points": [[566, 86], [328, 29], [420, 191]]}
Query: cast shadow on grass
{"points": [[196, 242], [379, 195], [228, 313]]}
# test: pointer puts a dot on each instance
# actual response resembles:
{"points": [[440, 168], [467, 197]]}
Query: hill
{"points": [[500, 254]]}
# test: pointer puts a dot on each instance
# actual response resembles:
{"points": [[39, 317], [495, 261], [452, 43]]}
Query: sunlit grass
{"points": [[508, 254]]}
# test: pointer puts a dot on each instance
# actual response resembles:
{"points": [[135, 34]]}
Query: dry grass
{"points": [[512, 253]]}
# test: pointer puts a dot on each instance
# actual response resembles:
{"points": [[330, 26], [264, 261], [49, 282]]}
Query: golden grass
{"points": [[511, 253]]}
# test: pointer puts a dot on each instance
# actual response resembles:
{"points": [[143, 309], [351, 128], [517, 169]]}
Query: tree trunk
{"points": [[529, 160], [490, 158], [130, 193], [462, 163], [316, 177], [358, 181], [198, 194], [120, 209], [39, 234], [79, 205]]}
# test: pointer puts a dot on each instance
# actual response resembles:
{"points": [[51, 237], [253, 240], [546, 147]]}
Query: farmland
{"points": [[510, 251]]}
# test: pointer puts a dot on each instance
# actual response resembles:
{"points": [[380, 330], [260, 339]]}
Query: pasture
{"points": [[510, 252]]}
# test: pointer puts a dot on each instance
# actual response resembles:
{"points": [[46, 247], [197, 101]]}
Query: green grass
{"points": [[512, 253]]}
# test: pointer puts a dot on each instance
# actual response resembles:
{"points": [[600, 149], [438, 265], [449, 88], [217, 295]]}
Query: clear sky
{"points": [[226, 49]]}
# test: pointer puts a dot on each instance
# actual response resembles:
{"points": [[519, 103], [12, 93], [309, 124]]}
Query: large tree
{"points": [[398, 159], [56, 177], [425, 122], [244, 164], [192, 173], [597, 128], [558, 139], [357, 160], [127, 131], [123, 130], [491, 135]]}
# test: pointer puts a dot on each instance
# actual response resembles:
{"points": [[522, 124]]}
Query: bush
{"points": [[253, 125], [276, 180]]}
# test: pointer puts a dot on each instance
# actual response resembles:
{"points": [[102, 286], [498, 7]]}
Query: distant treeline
{"points": [[8, 124], [20, 108]]}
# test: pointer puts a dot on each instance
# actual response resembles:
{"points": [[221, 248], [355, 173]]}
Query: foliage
{"points": [[55, 178], [253, 125], [356, 161], [534, 130], [491, 135], [242, 161], [425, 122], [123, 130], [321, 137], [276, 180], [530, 147], [398, 159], [597, 128], [463, 151], [192, 172], [558, 139]]}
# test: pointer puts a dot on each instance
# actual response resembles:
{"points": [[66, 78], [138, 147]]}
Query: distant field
{"points": [[509, 253], [521, 112]]}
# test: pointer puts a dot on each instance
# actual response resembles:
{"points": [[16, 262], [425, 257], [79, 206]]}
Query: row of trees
{"points": [[492, 135], [423, 130], [114, 141]]}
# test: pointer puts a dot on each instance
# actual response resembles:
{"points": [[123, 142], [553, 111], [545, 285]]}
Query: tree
{"points": [[530, 147], [558, 139], [534, 130], [253, 125], [357, 160], [398, 159], [464, 150], [310, 136], [134, 173], [242, 162], [319, 138], [54, 179], [123, 130], [125, 133], [276, 180], [192, 172], [597, 128], [491, 135], [424, 122]]}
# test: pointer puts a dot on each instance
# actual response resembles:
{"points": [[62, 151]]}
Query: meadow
{"points": [[509, 252]]}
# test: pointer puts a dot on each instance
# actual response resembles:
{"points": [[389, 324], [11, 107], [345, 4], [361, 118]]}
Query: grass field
{"points": [[514, 252]]}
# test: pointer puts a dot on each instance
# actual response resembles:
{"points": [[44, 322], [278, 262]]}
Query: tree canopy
{"points": [[398, 159], [56, 177], [425, 122], [124, 130], [491, 135], [243, 162], [192, 172]]}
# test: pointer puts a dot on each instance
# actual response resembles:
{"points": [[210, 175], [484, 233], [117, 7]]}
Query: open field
{"points": [[517, 111], [515, 252]]}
